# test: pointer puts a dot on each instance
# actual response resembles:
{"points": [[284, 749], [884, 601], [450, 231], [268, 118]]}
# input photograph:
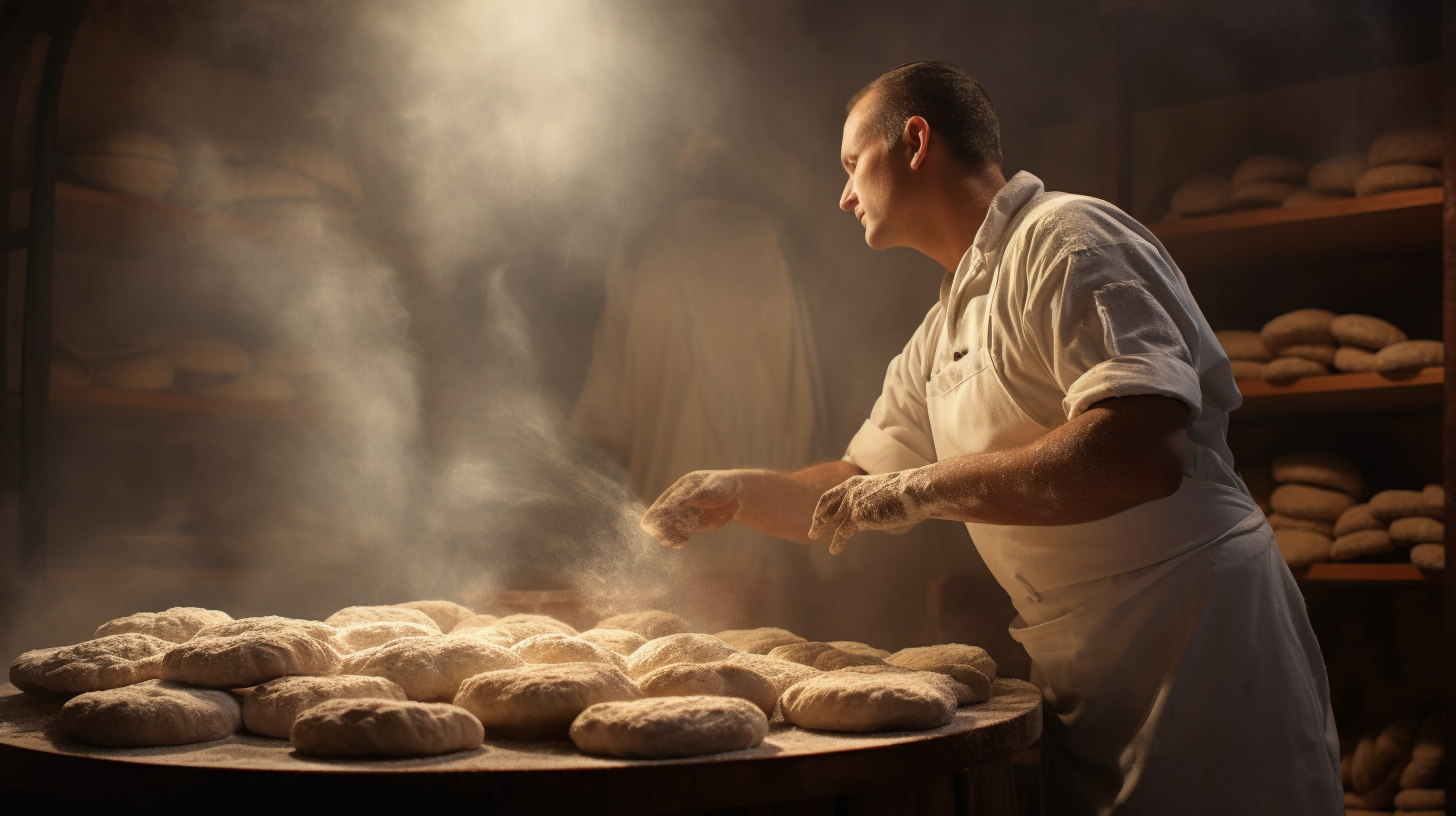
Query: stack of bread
{"points": [[1392, 521], [200, 364], [134, 163], [1314, 490], [1310, 342], [296, 182], [432, 677], [1397, 766]]}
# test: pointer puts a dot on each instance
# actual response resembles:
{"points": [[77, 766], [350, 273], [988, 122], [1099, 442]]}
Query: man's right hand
{"points": [[698, 502]]}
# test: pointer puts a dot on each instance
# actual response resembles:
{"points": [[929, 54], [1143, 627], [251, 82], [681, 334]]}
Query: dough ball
{"points": [[1284, 369], [1414, 146], [1337, 174], [1309, 502], [1269, 167], [977, 691], [620, 641], [1365, 331], [322, 632], [1324, 355], [1243, 345], [208, 355], [1415, 799], [1358, 517], [322, 165], [472, 623], [1262, 194], [782, 673], [847, 701], [1388, 505], [555, 647], [445, 614], [1321, 469], [668, 727], [1429, 557], [822, 656], [431, 668], [1394, 743], [133, 175], [144, 372], [1300, 327], [651, 624], [1279, 521], [1411, 355], [1303, 197], [685, 647], [513, 629], [353, 615], [139, 145], [539, 701], [176, 624], [1397, 177], [945, 658], [151, 713], [262, 386], [1300, 548], [856, 648], [1246, 370], [94, 665], [270, 709], [215, 185], [1417, 530], [758, 641], [363, 636], [249, 658], [1352, 360], [1360, 544], [721, 679], [384, 728], [1202, 195], [1428, 754], [545, 623]]}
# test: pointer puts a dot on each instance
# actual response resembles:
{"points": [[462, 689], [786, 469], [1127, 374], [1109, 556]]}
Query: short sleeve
{"points": [[897, 434]]}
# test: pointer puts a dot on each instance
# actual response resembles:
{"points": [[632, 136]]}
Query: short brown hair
{"points": [[951, 100]]}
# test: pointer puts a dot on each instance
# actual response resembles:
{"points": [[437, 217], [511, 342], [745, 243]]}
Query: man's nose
{"points": [[848, 199]]}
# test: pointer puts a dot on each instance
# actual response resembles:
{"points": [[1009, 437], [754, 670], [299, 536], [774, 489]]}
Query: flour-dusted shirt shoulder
{"points": [[1073, 302]]}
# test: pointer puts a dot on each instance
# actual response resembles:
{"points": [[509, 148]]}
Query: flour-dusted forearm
{"points": [[780, 503]]}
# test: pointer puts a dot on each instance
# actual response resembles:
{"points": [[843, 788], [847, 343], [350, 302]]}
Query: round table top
{"points": [[516, 777]]}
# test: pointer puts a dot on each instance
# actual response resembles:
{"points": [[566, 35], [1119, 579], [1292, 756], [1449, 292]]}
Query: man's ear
{"points": [[917, 138]]}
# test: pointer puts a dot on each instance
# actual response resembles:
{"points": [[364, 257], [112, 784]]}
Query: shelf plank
{"points": [[1398, 223], [96, 397], [1417, 391], [1347, 573]]}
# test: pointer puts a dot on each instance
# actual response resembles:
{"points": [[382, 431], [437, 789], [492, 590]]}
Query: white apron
{"points": [[1170, 641]]}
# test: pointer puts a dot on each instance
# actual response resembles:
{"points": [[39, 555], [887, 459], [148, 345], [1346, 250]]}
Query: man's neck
{"points": [[963, 207]]}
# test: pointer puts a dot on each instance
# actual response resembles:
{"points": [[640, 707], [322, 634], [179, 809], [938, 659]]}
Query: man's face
{"points": [[871, 192]]}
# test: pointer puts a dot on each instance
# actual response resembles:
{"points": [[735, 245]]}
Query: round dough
{"points": [[854, 647], [1410, 355], [1429, 557], [391, 728], [1414, 146], [353, 615], [93, 665], [176, 624], [141, 145], [1337, 174], [1365, 331], [1300, 548], [154, 712], [1202, 195], [545, 623], [1397, 177], [651, 624], [144, 372], [555, 647], [1269, 167], [822, 656], [723, 678], [964, 694], [1262, 194], [1321, 469], [208, 355], [758, 641], [1246, 370], [322, 632], [948, 658], [1417, 530], [847, 701], [445, 614], [271, 708], [262, 386], [1304, 197], [1388, 505], [363, 636], [1283, 369], [1239, 344], [1358, 517], [668, 727], [1413, 799], [249, 658], [1299, 327], [685, 647], [1352, 360], [473, 623], [431, 668], [540, 701], [133, 175], [1279, 521], [1309, 502], [1360, 544], [322, 165], [509, 633], [1324, 355], [620, 641], [782, 673]]}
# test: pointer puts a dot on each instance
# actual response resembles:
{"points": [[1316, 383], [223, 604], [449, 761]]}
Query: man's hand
{"points": [[866, 503], [698, 502]]}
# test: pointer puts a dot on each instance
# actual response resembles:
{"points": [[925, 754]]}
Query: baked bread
{"points": [[353, 615], [540, 623], [758, 641], [1284, 369], [1202, 195], [1420, 145], [1410, 355], [93, 665], [1246, 370], [977, 691], [1310, 502], [555, 647], [249, 658], [1419, 799], [620, 641], [271, 708], [947, 658], [1300, 548], [1360, 544], [363, 636], [1337, 174], [1388, 505], [1429, 557], [1391, 177], [322, 632], [1417, 530], [723, 678], [1320, 469], [685, 647], [431, 668], [849, 701], [540, 701], [1365, 331], [1269, 167], [151, 713], [384, 728], [822, 656], [1314, 352], [473, 623], [1279, 521], [651, 624], [1358, 517], [1352, 360], [1299, 327], [176, 624], [669, 727], [856, 648]]}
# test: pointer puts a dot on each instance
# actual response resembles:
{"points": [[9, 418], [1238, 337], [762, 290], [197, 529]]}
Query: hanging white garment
{"points": [[1170, 640]]}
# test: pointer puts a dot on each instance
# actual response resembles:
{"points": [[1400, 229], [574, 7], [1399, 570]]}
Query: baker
{"points": [[1066, 399]]}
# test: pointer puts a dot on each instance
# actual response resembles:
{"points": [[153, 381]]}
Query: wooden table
{"points": [[961, 768]]}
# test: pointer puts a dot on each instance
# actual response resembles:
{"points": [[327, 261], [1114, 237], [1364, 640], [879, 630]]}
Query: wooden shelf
{"points": [[1346, 573], [95, 397], [1398, 223], [1419, 391]]}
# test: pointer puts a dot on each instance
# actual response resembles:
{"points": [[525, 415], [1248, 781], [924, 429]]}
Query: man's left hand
{"points": [[865, 503]]}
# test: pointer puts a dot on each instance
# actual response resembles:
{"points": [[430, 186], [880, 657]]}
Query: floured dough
{"points": [[1417, 530], [1353, 360], [1388, 505], [856, 648], [1284, 369], [472, 623], [318, 630], [352, 615], [822, 656], [249, 658], [1243, 345], [555, 647], [782, 673], [144, 372], [620, 641], [1262, 194], [431, 668], [1310, 502], [133, 175], [848, 701], [540, 701], [965, 694], [1300, 548], [723, 678], [154, 712], [1393, 177], [1337, 174], [1413, 146], [391, 728], [1410, 355], [260, 386], [686, 647], [758, 641], [1322, 354], [1365, 331], [93, 665], [651, 624], [544, 622], [1360, 544], [271, 708], [208, 355], [510, 632], [1279, 521], [1269, 167], [1299, 327], [1357, 517], [1320, 469], [1429, 557], [363, 636], [176, 624], [948, 658], [1202, 195], [445, 614], [667, 727]]}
